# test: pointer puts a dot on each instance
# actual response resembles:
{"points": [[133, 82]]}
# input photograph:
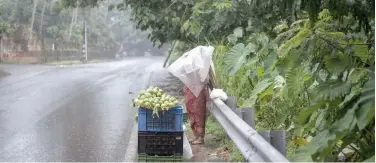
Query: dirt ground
{"points": [[209, 152]]}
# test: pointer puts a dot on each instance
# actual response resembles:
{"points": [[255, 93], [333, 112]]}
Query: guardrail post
{"points": [[231, 102], [277, 138], [248, 115], [265, 135]]}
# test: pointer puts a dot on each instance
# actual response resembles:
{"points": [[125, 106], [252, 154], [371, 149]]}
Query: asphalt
{"points": [[72, 113]]}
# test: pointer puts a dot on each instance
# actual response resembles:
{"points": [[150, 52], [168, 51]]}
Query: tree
{"points": [[32, 19], [305, 66]]}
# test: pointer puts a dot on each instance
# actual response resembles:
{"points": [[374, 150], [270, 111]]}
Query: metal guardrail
{"points": [[250, 143]]}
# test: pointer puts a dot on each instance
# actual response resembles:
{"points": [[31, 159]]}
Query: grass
{"points": [[214, 128]]}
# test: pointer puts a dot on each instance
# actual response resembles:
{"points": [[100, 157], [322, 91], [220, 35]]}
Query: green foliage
{"points": [[259, 88], [237, 56], [333, 89], [306, 66], [80, 3], [62, 25], [330, 108]]}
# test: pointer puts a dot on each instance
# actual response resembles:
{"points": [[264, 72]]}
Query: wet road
{"points": [[72, 113]]}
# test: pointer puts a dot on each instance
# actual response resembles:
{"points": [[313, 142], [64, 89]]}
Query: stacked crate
{"points": [[160, 139]]}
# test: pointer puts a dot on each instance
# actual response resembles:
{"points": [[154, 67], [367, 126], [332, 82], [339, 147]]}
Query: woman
{"points": [[197, 113]]}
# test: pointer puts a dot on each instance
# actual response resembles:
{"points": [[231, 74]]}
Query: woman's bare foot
{"points": [[193, 140], [198, 141]]}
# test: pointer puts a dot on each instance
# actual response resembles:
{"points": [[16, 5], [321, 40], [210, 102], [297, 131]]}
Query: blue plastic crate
{"points": [[168, 121]]}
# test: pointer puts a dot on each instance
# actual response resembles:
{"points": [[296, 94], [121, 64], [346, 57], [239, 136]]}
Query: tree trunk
{"points": [[1, 47], [75, 16], [71, 26], [106, 13], [41, 31], [43, 50], [32, 19], [120, 48], [16, 8], [41, 18]]}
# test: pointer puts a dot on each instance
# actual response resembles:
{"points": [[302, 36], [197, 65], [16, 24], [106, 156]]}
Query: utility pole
{"points": [[85, 42], [84, 46]]}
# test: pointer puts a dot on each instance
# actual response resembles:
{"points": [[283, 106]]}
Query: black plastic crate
{"points": [[160, 143], [149, 158]]}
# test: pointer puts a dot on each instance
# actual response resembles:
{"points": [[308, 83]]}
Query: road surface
{"points": [[70, 113]]}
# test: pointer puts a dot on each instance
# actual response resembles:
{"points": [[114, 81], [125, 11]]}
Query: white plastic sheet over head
{"points": [[192, 68]]}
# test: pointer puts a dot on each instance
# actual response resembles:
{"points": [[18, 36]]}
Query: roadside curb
{"points": [[131, 152]]}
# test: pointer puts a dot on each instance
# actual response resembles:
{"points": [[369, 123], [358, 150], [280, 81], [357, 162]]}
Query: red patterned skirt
{"points": [[196, 109]]}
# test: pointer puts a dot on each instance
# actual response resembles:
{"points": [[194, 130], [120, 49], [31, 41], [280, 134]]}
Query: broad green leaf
{"points": [[324, 142], [371, 159], [317, 145], [263, 39], [282, 115], [185, 26], [332, 90], [194, 27], [345, 124], [260, 71], [281, 118], [279, 82], [357, 74], [223, 5], [324, 14], [361, 51], [251, 62], [336, 64], [237, 56], [301, 155], [354, 92], [270, 61], [366, 103], [365, 114], [232, 38], [295, 79], [305, 113], [320, 118], [280, 28], [335, 36], [294, 42], [250, 102], [238, 32], [259, 88], [267, 92], [368, 91]]}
